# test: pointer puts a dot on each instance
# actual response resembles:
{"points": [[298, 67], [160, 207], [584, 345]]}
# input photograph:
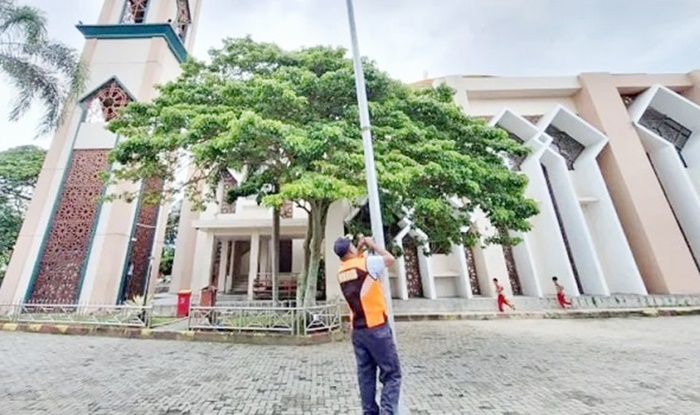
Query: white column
{"points": [[254, 257], [229, 271], [264, 260], [203, 261], [426, 274], [334, 229], [490, 263], [464, 286], [223, 260], [401, 283]]}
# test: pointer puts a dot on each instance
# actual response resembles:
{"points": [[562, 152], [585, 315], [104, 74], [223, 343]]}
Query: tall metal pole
{"points": [[375, 212]]}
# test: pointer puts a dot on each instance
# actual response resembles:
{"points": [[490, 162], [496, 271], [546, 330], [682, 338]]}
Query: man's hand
{"points": [[369, 242]]}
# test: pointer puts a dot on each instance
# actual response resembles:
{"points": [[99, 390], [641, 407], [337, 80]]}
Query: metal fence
{"points": [[80, 314], [281, 317], [285, 317]]}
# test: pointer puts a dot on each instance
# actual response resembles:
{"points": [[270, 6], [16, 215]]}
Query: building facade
{"points": [[614, 167]]}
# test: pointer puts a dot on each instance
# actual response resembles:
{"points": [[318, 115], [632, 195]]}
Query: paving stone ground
{"points": [[508, 367]]}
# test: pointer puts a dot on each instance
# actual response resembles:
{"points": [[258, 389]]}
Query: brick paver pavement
{"points": [[509, 367]]}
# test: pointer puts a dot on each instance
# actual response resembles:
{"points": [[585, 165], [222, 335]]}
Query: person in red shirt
{"points": [[372, 338], [561, 298], [502, 300]]}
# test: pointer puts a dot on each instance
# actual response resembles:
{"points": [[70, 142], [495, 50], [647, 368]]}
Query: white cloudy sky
{"points": [[410, 38]]}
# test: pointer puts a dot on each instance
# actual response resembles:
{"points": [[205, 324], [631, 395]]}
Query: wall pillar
{"points": [[185, 247], [254, 261], [402, 280], [204, 255], [426, 274], [334, 229], [223, 269], [464, 287], [230, 272], [663, 257]]}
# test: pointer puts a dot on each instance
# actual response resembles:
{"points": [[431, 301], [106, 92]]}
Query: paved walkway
{"points": [[508, 367]]}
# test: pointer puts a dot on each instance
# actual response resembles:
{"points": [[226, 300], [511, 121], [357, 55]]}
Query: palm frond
{"points": [[72, 70], [27, 22], [39, 68], [33, 81]]}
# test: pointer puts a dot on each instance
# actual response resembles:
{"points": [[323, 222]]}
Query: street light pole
{"points": [[375, 212]]}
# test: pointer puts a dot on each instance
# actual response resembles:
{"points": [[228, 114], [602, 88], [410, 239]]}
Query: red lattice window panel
{"points": [[142, 247], [135, 11], [106, 103], [183, 18], [68, 245], [229, 182]]}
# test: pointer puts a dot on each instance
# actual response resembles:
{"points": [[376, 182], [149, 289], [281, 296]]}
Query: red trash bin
{"points": [[183, 303]]}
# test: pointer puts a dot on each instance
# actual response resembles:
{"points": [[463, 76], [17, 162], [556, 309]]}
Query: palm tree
{"points": [[39, 68]]}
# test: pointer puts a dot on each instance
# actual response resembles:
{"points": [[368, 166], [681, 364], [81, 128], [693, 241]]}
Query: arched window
{"points": [[105, 104], [134, 11]]}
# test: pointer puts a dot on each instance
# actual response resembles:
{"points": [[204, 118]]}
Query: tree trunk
{"points": [[318, 230], [274, 253]]}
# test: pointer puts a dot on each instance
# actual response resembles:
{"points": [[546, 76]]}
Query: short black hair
{"points": [[495, 280], [555, 279]]}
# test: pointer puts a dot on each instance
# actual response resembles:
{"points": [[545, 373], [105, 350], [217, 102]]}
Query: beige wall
{"points": [[662, 255]]}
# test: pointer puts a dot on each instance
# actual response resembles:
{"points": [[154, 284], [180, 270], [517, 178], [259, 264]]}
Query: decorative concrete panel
{"points": [[229, 182], [143, 239], [413, 275], [70, 233], [471, 266], [512, 270]]}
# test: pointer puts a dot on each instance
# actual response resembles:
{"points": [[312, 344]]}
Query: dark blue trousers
{"points": [[375, 349]]}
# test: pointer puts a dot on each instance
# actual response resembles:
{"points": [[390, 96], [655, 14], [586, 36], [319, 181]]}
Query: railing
{"points": [[283, 318], [100, 315]]}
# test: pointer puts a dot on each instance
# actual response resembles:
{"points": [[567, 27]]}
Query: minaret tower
{"points": [[72, 248]]}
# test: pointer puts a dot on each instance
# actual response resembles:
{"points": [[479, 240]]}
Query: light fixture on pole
{"points": [[375, 212]]}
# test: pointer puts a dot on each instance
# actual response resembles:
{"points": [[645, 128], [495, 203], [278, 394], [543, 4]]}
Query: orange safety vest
{"points": [[363, 293]]}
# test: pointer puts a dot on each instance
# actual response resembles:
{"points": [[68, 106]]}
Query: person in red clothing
{"points": [[502, 300], [561, 298]]}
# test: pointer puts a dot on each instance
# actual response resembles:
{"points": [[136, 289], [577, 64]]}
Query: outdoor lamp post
{"points": [[372, 187]]}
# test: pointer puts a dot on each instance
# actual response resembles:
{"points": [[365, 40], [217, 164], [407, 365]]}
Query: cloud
{"points": [[442, 37]]}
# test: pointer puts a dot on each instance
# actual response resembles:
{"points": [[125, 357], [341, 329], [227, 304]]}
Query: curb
{"points": [[551, 315], [336, 336], [201, 336]]}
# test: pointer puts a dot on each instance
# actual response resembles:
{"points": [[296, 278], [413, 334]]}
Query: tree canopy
{"points": [[38, 67], [289, 120], [19, 172]]}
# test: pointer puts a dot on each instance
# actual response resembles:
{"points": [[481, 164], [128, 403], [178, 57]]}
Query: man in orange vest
{"points": [[359, 278]]}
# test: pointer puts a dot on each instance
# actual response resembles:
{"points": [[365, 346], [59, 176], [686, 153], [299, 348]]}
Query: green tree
{"points": [[168, 256], [289, 119], [19, 172], [38, 67]]}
